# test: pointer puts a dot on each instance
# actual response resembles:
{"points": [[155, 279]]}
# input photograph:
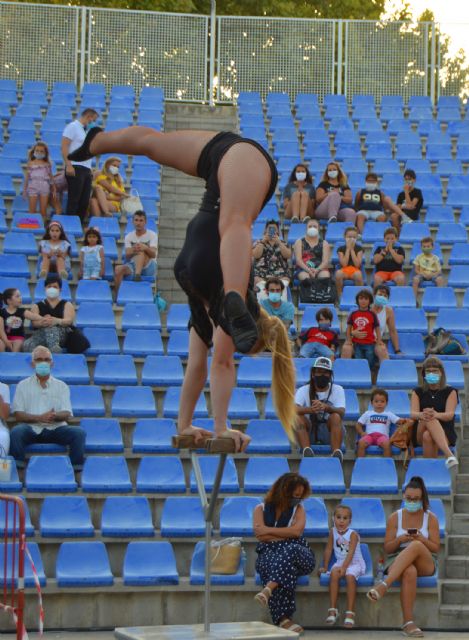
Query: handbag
{"points": [[442, 342], [131, 204], [318, 291], [402, 439], [225, 556], [5, 466], [76, 341]]}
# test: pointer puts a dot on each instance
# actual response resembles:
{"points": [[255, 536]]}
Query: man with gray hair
{"points": [[42, 408]]}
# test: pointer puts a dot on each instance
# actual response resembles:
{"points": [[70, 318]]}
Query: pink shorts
{"points": [[375, 438], [355, 569]]}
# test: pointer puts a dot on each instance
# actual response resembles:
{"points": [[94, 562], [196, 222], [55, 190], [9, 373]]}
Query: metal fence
{"points": [[193, 61]]}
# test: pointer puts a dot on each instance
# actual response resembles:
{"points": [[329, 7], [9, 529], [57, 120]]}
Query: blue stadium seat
{"points": [[454, 373], [65, 517], [40, 292], [437, 507], [374, 231], [260, 475], [208, 468], [87, 401], [243, 404], [11, 167], [11, 520], [254, 372], [142, 342], [397, 374], [162, 474], [439, 215], [93, 291], [366, 580], [95, 314], [368, 515], [126, 516], [171, 404], [102, 340], [162, 371], [451, 232], [53, 474], [374, 475], [83, 564], [71, 368], [151, 563], [114, 370], [105, 474], [153, 435], [107, 226], [10, 554], [15, 152], [140, 292], [133, 402], [454, 320], [103, 435], [178, 317], [14, 265], [414, 232], [13, 485], [197, 570], [178, 344], [436, 476], [411, 320], [459, 254], [458, 277], [309, 315], [436, 298], [402, 297], [317, 520], [236, 516], [324, 474], [411, 345], [71, 224], [349, 293], [140, 316], [16, 283], [182, 518], [15, 366], [352, 373], [267, 436]]}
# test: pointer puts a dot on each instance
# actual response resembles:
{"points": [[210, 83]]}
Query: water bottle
{"points": [[380, 569]]}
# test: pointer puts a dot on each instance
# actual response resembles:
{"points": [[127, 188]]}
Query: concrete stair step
{"points": [[460, 523], [461, 503], [457, 567], [455, 591], [458, 544], [462, 483], [454, 616]]}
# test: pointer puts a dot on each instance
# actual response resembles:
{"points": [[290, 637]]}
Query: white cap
{"points": [[323, 363]]}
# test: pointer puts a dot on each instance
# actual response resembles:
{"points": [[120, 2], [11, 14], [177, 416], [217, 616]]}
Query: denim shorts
{"points": [[365, 351], [149, 270], [315, 350]]}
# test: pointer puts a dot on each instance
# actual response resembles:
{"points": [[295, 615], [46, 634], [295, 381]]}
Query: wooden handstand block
{"points": [[221, 445], [186, 442]]}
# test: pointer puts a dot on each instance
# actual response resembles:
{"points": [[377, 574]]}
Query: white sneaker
{"points": [[338, 454], [308, 452], [450, 462], [333, 219]]}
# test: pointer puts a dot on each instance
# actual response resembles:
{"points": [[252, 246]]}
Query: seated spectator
{"points": [[56, 316], [321, 408], [350, 257], [363, 333], [409, 201], [283, 554], [55, 251], [109, 189], [92, 256], [42, 409], [4, 413], [412, 542], [275, 306], [387, 321], [389, 260], [39, 184], [320, 341], [12, 320], [433, 405], [271, 256], [373, 426], [141, 248], [298, 195], [334, 196], [312, 255], [371, 203], [349, 563], [427, 266]]}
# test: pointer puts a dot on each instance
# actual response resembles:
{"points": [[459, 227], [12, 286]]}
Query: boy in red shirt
{"points": [[320, 341], [363, 332]]}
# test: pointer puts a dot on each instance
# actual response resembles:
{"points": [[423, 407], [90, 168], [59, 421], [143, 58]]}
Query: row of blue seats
{"points": [[92, 88], [165, 474], [21, 205]]}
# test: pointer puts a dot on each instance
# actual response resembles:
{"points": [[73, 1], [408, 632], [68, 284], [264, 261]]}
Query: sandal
{"points": [[263, 596], [373, 594], [291, 626], [414, 633], [333, 616], [349, 621], [83, 152]]}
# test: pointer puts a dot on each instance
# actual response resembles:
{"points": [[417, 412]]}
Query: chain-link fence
{"points": [[39, 42]]}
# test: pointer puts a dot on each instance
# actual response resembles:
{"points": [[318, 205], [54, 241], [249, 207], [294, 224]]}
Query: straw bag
{"points": [[131, 204], [225, 556], [402, 439], [5, 466]]}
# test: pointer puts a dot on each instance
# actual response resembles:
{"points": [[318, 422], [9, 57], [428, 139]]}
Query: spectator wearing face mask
{"points": [[312, 254], [334, 197], [109, 189], [427, 266], [298, 195], [319, 341], [371, 203], [271, 255], [274, 305], [409, 201], [39, 184]]}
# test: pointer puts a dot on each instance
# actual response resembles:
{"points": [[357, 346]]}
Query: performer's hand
{"points": [[241, 439], [198, 433]]}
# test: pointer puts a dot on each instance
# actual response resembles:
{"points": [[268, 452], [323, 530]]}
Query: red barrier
{"points": [[14, 544]]}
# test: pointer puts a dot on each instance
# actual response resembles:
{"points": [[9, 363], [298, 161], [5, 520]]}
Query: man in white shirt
{"points": [[42, 408], [78, 174], [321, 408], [141, 248]]}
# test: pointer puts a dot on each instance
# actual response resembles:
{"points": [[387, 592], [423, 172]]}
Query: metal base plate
{"points": [[218, 631]]}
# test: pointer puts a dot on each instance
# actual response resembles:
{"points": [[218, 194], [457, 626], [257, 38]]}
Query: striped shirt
{"points": [[31, 397]]}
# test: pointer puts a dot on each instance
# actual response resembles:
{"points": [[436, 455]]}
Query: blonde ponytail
{"points": [[274, 337]]}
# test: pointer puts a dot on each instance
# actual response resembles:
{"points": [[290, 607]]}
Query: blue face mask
{"points": [[412, 506], [381, 301], [275, 296], [432, 378], [42, 368], [324, 325]]}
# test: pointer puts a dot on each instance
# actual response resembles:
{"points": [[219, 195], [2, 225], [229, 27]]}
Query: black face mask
{"points": [[321, 381], [294, 502]]}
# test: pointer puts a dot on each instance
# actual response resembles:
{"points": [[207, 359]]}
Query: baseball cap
{"points": [[323, 363]]}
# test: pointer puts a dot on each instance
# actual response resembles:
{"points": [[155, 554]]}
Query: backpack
{"points": [[442, 342], [402, 439], [318, 291]]}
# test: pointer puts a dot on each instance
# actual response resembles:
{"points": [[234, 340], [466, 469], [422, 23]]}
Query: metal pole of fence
{"points": [[83, 47], [433, 75], [213, 26], [339, 57]]}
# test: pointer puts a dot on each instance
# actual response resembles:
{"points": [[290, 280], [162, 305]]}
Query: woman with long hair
{"points": [[334, 196], [214, 265], [298, 195], [282, 552]]}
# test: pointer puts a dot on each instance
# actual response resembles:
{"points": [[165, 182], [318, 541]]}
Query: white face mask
{"points": [[114, 170], [333, 173], [300, 175], [39, 155], [312, 232], [52, 292], [370, 186]]}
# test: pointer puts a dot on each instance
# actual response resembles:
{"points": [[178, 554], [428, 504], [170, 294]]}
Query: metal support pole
{"points": [[213, 28], [208, 508]]}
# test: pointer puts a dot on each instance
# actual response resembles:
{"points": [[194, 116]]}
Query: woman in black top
{"points": [[12, 319], [434, 405], [56, 316]]}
